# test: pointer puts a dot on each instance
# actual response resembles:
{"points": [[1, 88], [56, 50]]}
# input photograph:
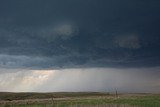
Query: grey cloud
{"points": [[95, 79], [62, 30], [128, 41], [12, 61], [40, 62], [104, 79], [65, 30], [31, 62]]}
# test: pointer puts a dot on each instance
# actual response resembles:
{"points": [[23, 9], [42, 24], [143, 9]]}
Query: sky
{"points": [[80, 45]]}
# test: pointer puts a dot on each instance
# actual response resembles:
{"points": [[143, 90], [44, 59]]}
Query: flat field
{"points": [[78, 99]]}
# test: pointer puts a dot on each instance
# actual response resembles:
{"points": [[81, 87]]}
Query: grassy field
{"points": [[78, 100]]}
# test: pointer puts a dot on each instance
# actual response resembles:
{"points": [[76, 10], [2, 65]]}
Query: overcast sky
{"points": [[100, 42]]}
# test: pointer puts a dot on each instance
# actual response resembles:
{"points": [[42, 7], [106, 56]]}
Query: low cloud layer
{"points": [[95, 79]]}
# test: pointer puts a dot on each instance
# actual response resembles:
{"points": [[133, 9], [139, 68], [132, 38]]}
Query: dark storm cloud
{"points": [[79, 33]]}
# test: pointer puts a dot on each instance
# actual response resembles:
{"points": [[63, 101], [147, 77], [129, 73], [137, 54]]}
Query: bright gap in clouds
{"points": [[72, 80], [23, 80]]}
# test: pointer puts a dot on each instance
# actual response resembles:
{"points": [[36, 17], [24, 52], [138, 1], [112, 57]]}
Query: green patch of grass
{"points": [[98, 101]]}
